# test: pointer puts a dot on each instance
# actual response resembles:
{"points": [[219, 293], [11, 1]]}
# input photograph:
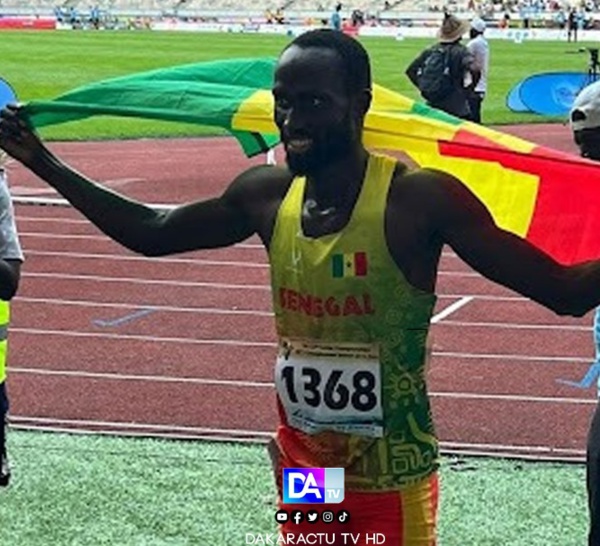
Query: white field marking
{"points": [[238, 439], [236, 383], [524, 358], [21, 191], [516, 455], [143, 281], [63, 203], [514, 398], [243, 343], [262, 437], [487, 297], [108, 335], [118, 182], [450, 309], [128, 258], [135, 280], [60, 220], [517, 326], [262, 313], [508, 447], [150, 378], [139, 426], [197, 261], [95, 237], [461, 274], [46, 235], [169, 308]]}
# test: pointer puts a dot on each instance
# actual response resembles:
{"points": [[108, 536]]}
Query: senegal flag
{"points": [[547, 197], [349, 265]]}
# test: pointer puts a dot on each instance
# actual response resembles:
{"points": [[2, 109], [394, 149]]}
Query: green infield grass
{"points": [[43, 64], [107, 491]]}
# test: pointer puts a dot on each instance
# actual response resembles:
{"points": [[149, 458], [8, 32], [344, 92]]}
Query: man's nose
{"points": [[294, 121]]}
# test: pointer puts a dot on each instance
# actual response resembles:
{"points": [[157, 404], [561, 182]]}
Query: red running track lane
{"points": [[105, 340]]}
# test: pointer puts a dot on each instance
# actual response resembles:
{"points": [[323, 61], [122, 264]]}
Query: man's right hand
{"points": [[17, 137]]}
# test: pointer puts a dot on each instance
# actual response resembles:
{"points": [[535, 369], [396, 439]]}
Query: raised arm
{"points": [[215, 222], [466, 225]]}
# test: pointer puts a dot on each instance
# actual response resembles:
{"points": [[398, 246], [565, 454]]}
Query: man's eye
{"points": [[282, 103], [317, 102]]}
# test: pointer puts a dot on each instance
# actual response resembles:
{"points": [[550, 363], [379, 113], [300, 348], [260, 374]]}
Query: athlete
{"points": [[354, 242]]}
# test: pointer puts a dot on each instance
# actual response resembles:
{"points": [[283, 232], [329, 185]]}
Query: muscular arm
{"points": [[466, 225], [204, 224], [153, 232]]}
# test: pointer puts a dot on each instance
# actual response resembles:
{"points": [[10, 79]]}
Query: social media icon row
{"points": [[312, 516]]}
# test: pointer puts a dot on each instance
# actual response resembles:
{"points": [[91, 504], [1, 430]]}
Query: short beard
{"points": [[335, 145]]}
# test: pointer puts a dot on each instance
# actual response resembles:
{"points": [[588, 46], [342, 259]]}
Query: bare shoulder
{"points": [[258, 186], [422, 179], [434, 192], [257, 194]]}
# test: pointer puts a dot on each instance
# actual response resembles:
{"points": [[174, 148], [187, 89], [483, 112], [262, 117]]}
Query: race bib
{"points": [[326, 386]]}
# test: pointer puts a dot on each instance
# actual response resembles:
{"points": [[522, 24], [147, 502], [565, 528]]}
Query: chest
{"points": [[317, 221]]}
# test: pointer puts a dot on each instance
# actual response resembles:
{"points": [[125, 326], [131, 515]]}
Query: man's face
{"points": [[588, 141], [313, 111]]}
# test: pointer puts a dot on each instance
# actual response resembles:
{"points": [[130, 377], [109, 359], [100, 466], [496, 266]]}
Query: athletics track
{"points": [[104, 340]]}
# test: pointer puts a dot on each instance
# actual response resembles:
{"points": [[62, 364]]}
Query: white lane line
{"points": [[451, 309], [483, 297], [144, 282], [516, 326], [106, 239], [140, 426], [148, 378], [173, 432], [196, 261], [514, 398], [243, 343], [208, 284], [153, 339], [508, 357], [137, 258], [168, 308], [236, 383], [510, 447], [258, 312]]}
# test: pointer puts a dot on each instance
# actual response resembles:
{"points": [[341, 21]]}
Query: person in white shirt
{"points": [[479, 49]]}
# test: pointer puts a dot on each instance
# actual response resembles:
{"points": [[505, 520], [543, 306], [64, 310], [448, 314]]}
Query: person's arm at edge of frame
{"points": [[463, 222], [10, 275], [472, 67], [204, 224]]}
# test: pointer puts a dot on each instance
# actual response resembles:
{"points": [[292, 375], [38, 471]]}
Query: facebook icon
{"points": [[313, 485]]}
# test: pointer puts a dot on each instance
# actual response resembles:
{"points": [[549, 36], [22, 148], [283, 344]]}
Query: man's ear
{"points": [[364, 101]]}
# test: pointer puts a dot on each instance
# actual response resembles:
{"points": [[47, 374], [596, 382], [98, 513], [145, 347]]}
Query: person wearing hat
{"points": [[585, 125], [479, 48], [440, 71]]}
